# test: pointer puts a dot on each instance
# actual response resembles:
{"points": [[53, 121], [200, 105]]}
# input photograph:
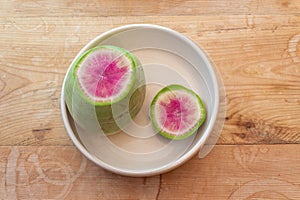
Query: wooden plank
{"points": [[257, 56], [96, 8], [229, 172], [237, 172], [63, 173]]}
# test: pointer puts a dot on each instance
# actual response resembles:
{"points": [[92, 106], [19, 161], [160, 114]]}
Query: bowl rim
{"points": [[187, 155]]}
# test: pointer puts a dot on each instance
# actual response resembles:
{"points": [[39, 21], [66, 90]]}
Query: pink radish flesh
{"points": [[104, 73]]}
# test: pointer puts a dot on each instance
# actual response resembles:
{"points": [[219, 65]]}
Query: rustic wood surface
{"points": [[254, 44]]}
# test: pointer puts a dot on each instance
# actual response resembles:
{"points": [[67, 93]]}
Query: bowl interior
{"points": [[167, 58]]}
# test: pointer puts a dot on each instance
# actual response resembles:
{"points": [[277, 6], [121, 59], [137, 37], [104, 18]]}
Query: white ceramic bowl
{"points": [[168, 57]]}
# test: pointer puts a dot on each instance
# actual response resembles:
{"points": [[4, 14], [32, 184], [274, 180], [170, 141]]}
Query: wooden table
{"points": [[254, 44]]}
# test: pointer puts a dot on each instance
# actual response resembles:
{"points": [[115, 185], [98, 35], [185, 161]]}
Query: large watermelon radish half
{"points": [[177, 112], [106, 85]]}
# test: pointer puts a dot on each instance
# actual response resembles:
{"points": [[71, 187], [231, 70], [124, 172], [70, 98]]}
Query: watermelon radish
{"points": [[106, 83], [177, 112]]}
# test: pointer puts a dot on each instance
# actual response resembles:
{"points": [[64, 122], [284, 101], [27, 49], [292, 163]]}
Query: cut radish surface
{"points": [[106, 74], [105, 88], [177, 112]]}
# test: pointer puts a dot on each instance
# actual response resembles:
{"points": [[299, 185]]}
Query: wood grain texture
{"points": [[237, 172], [257, 56], [229, 172], [255, 45], [96, 8]]}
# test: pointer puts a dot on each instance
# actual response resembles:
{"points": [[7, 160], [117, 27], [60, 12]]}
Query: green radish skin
{"points": [[110, 116], [172, 91]]}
